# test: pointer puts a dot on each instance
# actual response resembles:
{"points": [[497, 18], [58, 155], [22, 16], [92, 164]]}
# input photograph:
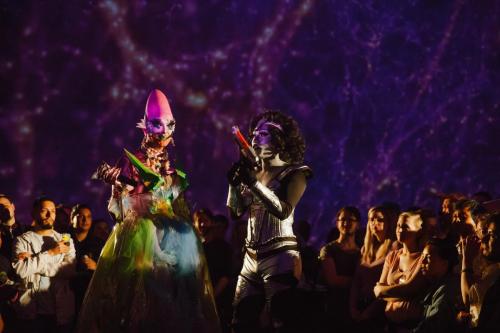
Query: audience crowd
{"points": [[400, 270]]}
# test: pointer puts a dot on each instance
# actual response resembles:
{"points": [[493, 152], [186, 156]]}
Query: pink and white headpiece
{"points": [[158, 118]]}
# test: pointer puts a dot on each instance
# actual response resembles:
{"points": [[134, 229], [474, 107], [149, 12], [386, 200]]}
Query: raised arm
{"points": [[470, 249]]}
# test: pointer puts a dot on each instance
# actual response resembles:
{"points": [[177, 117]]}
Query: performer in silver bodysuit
{"points": [[270, 194]]}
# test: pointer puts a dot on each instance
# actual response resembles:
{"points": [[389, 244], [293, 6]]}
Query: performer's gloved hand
{"points": [[240, 174], [247, 176], [107, 173], [233, 175]]}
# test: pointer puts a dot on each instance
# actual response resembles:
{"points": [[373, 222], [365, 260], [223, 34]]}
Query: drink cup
{"points": [[66, 238]]}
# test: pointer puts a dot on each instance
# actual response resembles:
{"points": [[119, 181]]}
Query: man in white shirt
{"points": [[44, 260]]}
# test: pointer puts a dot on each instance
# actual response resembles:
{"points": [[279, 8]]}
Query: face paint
{"points": [[163, 129], [158, 121], [263, 141]]}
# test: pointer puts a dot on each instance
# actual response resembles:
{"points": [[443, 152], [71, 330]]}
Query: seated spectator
{"points": [[441, 304], [88, 250], [338, 262], [45, 263], [380, 238], [401, 282], [482, 295]]}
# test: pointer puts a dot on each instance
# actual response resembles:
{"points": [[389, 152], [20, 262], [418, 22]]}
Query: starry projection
{"points": [[397, 100]]}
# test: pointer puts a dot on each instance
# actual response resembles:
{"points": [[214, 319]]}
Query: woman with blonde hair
{"points": [[401, 282], [380, 235], [379, 239]]}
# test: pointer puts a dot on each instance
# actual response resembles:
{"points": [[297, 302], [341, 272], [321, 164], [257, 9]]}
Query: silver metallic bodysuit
{"points": [[271, 247], [269, 222]]}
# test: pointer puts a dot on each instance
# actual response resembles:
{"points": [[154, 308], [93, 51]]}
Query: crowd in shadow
{"points": [[404, 270]]}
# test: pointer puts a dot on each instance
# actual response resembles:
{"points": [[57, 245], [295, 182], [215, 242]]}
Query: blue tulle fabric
{"points": [[152, 275]]}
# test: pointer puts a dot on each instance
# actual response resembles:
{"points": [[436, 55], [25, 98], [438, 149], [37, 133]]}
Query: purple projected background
{"points": [[395, 98]]}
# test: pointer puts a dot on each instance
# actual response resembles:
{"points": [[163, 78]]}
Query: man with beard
{"points": [[270, 193], [44, 260]]}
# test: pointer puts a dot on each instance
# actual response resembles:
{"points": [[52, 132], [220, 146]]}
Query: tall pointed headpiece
{"points": [[157, 112], [157, 107]]}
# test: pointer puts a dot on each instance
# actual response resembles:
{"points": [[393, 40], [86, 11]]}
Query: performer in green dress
{"points": [[152, 274]]}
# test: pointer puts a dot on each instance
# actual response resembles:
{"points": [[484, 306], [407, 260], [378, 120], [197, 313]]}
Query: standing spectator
{"points": [[401, 282], [308, 254], [338, 262], [482, 196], [480, 216], [88, 249], [482, 295], [447, 204], [462, 222], [8, 292], [219, 259], [380, 238], [203, 221], [238, 235], [62, 223], [101, 230], [309, 296], [441, 302], [9, 228], [45, 262]]}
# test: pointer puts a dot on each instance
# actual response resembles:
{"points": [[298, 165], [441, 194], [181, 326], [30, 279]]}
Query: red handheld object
{"points": [[246, 149], [241, 139]]}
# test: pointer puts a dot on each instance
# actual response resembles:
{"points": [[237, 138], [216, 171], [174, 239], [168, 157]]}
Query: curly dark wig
{"points": [[291, 142]]}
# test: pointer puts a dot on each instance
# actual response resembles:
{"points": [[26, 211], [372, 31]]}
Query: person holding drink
{"points": [[45, 262]]}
